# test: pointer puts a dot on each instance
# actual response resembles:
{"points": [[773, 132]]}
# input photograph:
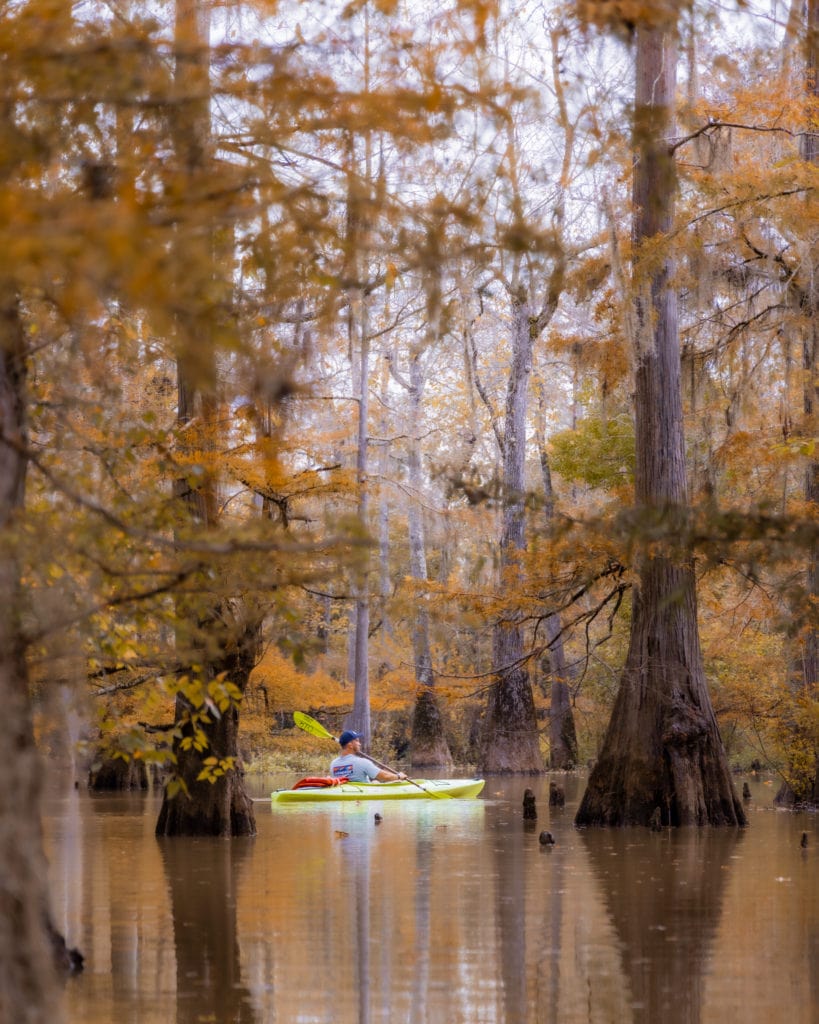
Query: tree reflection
{"points": [[664, 895], [203, 878], [511, 921], [362, 922], [529, 915], [423, 874]]}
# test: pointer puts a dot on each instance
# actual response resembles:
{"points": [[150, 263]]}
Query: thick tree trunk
{"points": [[28, 979], [510, 741], [662, 748], [220, 808], [113, 773]]}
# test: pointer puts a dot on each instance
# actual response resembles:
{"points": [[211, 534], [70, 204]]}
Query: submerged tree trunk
{"points": [[662, 748], [218, 641], [206, 637], [28, 979], [221, 807], [114, 773], [510, 741]]}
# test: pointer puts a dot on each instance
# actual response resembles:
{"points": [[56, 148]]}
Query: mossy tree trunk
{"points": [[662, 747]]}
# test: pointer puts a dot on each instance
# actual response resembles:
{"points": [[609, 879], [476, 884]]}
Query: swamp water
{"points": [[445, 911]]}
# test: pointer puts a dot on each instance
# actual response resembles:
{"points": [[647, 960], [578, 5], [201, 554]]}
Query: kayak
{"points": [[319, 790]]}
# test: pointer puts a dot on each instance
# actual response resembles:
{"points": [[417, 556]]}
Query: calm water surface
{"points": [[444, 912]]}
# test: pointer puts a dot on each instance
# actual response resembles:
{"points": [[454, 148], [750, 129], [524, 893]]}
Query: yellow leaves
{"points": [[598, 452], [175, 786], [213, 768], [215, 696], [198, 741], [795, 448]]}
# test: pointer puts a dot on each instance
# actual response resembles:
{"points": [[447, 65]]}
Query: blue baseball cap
{"points": [[348, 737]]}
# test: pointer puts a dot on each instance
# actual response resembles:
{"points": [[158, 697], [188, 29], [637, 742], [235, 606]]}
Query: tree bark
{"points": [[662, 748], [220, 807], [510, 741], [28, 978]]}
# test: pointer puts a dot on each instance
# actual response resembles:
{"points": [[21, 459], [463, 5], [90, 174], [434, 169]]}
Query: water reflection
{"points": [[548, 995], [510, 901], [445, 912], [423, 873], [202, 880], [664, 893], [379, 919], [359, 862]]}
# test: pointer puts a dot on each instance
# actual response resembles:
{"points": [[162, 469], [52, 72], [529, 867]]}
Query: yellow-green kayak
{"points": [[320, 790]]}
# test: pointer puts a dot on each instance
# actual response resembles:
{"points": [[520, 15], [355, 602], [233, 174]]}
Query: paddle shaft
{"points": [[308, 724]]}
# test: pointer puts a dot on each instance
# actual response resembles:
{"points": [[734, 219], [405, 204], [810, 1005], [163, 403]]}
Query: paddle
{"points": [[308, 724]]}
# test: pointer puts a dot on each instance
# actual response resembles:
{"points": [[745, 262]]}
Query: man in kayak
{"points": [[352, 766]]}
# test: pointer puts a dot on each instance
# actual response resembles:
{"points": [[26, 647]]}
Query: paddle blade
{"points": [[308, 724]]}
